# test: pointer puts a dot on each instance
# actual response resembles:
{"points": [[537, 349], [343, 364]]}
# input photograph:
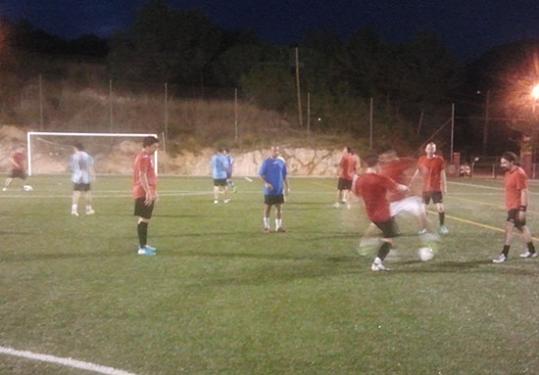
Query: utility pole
{"points": [[452, 130], [41, 122], [110, 105], [300, 114], [236, 130], [485, 124], [308, 114], [371, 120], [166, 116]]}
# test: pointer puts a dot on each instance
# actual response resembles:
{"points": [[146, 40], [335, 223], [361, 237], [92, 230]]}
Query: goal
{"points": [[49, 152]]}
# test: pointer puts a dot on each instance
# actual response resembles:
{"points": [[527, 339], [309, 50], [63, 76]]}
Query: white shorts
{"points": [[412, 205]]}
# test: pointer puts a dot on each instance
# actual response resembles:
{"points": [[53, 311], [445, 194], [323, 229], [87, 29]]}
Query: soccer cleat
{"points": [[337, 205], [90, 212], [377, 265], [443, 229], [267, 229], [151, 248], [145, 251], [528, 254], [226, 200], [280, 230], [4, 189], [422, 231], [74, 213], [499, 259], [216, 202]]}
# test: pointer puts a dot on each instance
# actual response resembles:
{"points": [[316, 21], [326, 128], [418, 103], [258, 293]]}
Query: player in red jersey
{"points": [[17, 160], [432, 169], [373, 187], [398, 170], [346, 172], [516, 202], [145, 191]]}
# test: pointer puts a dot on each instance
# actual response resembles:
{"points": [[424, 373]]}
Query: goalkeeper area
{"points": [[49, 152], [221, 296]]}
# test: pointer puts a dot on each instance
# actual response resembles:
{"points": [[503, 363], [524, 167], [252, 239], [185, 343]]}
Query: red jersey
{"points": [[373, 188], [19, 159], [395, 170], [515, 181], [348, 166], [143, 164], [431, 170]]}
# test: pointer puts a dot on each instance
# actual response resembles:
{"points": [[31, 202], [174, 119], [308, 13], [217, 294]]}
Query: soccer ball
{"points": [[27, 188], [425, 254]]}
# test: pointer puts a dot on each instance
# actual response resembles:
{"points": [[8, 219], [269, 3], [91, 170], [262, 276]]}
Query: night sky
{"points": [[467, 27]]}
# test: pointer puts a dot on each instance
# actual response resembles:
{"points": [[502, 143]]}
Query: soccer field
{"points": [[222, 297]]}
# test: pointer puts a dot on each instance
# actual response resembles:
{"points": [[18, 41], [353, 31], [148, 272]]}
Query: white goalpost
{"points": [[32, 134]]}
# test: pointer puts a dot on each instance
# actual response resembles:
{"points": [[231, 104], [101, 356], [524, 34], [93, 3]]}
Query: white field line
{"points": [[66, 362]]}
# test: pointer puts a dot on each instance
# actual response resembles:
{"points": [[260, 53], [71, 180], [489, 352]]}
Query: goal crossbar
{"points": [[70, 134]]}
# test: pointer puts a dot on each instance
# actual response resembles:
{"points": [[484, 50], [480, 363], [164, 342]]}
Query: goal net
{"points": [[113, 153]]}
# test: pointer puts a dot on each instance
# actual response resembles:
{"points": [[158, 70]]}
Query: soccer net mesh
{"points": [[113, 153]]}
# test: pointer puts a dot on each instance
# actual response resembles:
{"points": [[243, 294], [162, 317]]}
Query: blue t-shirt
{"points": [[81, 167], [230, 160], [219, 166], [274, 171]]}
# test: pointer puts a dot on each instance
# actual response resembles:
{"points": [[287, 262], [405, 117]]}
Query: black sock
{"points": [[531, 248], [505, 250], [441, 216], [384, 250], [142, 230]]}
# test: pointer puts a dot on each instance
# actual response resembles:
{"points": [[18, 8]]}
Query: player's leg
{"points": [[8, 182], [526, 234], [389, 231], [267, 212], [508, 237], [437, 198], [88, 199], [226, 196], [279, 218], [75, 200], [144, 215], [215, 193]]}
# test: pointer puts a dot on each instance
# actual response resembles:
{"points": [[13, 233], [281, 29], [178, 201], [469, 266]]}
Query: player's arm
{"points": [[262, 175], [14, 163], [523, 204], [443, 181], [414, 176], [143, 177]]}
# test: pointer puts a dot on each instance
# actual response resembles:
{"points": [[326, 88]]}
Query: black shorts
{"points": [[273, 199], [81, 187], [512, 217], [344, 184], [18, 173], [219, 182], [143, 211], [388, 228], [436, 197]]}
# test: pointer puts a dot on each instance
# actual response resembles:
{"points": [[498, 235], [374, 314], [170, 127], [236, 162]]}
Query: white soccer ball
{"points": [[27, 188], [425, 254]]}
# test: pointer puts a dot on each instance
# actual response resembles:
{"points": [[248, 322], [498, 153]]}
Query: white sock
{"points": [[278, 223], [74, 207], [88, 207], [266, 222]]}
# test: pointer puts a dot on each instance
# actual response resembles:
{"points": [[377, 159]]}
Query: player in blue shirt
{"points": [[220, 167], [274, 174], [229, 181], [82, 174]]}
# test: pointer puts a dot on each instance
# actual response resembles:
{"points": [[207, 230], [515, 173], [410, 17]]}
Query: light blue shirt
{"points": [[274, 171], [219, 166], [81, 167]]}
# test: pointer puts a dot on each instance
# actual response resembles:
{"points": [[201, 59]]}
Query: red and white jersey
{"points": [[373, 188], [431, 170], [143, 165]]}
